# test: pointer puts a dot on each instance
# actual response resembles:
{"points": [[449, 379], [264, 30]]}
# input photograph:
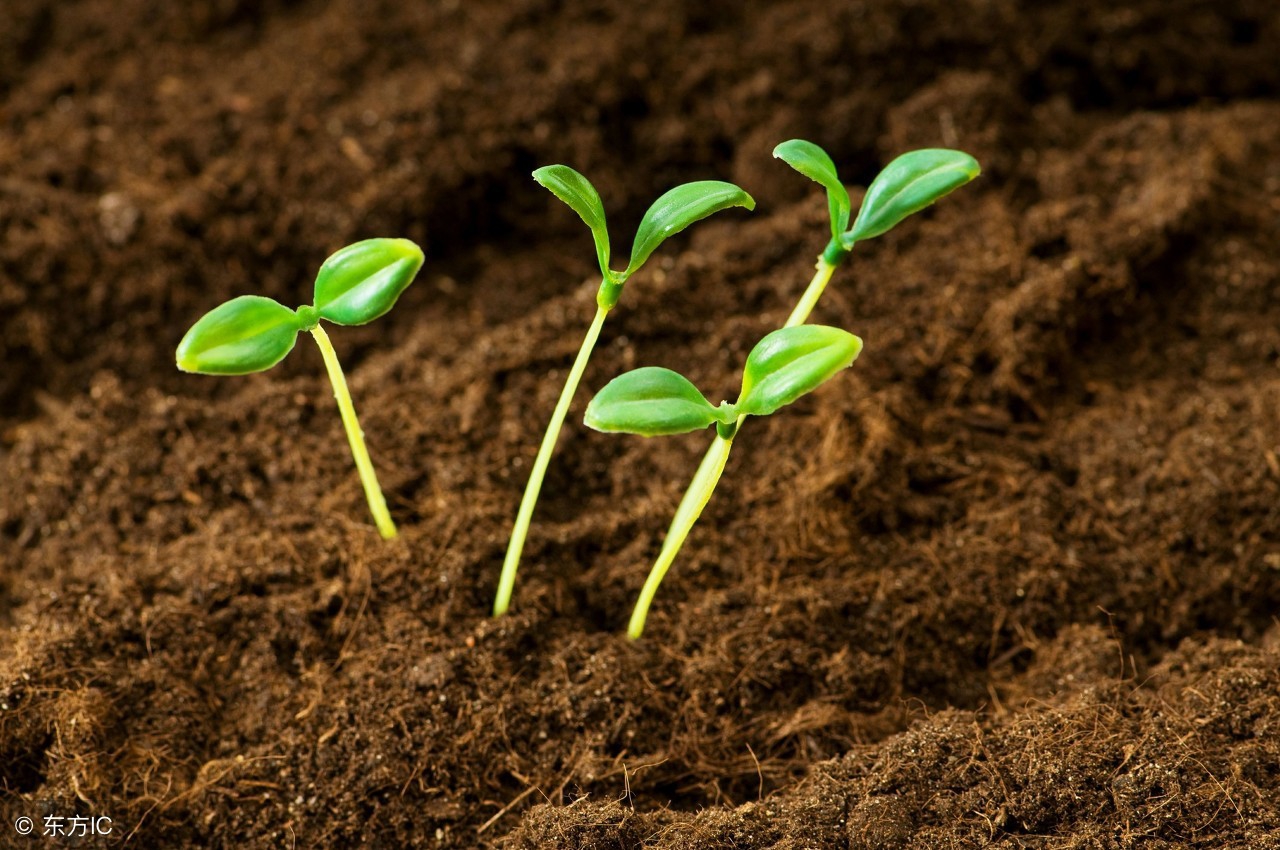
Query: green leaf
{"points": [[813, 162], [679, 208], [650, 401], [793, 361], [362, 281], [246, 334], [907, 185], [577, 191]]}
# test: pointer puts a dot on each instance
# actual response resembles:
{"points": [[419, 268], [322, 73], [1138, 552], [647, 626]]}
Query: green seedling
{"points": [[252, 333], [907, 185], [783, 366], [671, 213]]}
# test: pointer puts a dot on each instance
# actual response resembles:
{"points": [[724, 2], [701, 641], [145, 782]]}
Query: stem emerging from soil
{"points": [[511, 564], [695, 499], [709, 471], [355, 436]]}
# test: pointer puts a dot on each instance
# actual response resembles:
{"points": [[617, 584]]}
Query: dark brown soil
{"points": [[1012, 579]]}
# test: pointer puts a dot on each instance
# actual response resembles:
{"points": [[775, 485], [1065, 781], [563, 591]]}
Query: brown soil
{"points": [[1011, 579]]}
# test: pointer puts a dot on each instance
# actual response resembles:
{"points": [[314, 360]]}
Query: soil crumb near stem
{"points": [[1012, 579]]}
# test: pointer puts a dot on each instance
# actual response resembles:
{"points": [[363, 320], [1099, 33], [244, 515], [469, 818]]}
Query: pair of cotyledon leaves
{"points": [[252, 333], [907, 185], [671, 213], [783, 366]]}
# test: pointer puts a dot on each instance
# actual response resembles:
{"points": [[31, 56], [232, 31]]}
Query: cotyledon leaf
{"points": [[793, 361], [814, 163], [677, 209], [907, 185], [246, 334], [576, 191], [362, 281], [650, 401]]}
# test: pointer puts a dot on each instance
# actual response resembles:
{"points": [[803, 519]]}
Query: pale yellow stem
{"points": [[511, 564], [695, 499], [355, 436]]}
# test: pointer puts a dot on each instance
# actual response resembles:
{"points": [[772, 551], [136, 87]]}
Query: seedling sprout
{"points": [[252, 333], [651, 401], [671, 213], [907, 185]]}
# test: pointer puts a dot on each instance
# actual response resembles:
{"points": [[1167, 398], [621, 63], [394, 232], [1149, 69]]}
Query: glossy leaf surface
{"points": [[650, 401], [814, 163], [246, 334], [679, 208], [362, 281], [576, 191], [907, 185], [793, 361]]}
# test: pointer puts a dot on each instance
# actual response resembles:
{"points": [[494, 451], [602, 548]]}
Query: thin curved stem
{"points": [[696, 498], [812, 293], [507, 583], [355, 436]]}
